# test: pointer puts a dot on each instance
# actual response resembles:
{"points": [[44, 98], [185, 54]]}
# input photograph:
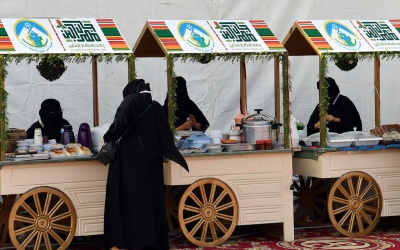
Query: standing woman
{"points": [[134, 216]]}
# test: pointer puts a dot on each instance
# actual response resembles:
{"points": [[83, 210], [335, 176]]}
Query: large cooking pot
{"points": [[259, 127]]}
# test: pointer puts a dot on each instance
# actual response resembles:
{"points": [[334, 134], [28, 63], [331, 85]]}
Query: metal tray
{"points": [[239, 147]]}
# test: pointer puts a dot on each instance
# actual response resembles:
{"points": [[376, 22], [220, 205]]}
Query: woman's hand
{"points": [[196, 125], [317, 125], [331, 118], [186, 126]]}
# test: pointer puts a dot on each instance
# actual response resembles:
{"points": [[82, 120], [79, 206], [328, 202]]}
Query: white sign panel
{"points": [[206, 36], [380, 34], [85, 35], [342, 35]]}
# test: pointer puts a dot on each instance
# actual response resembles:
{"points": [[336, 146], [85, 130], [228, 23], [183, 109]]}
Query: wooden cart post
{"points": [[95, 92], [377, 84], [243, 92], [277, 91], [2, 122]]}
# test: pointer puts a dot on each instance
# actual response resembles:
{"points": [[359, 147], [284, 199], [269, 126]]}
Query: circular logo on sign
{"points": [[196, 36], [32, 35], [342, 35]]}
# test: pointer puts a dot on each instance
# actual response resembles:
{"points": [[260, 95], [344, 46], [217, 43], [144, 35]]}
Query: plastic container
{"points": [[260, 145], [97, 136], [268, 144]]}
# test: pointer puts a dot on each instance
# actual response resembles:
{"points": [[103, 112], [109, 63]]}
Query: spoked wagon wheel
{"points": [[208, 212], [355, 204], [173, 195], [46, 217], [5, 208], [309, 201]]}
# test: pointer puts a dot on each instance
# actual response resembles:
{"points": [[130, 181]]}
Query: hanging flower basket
{"points": [[346, 63], [51, 69]]}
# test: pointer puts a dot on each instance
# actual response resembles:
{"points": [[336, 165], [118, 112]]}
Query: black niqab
{"points": [[333, 90], [52, 118], [185, 106], [343, 108]]}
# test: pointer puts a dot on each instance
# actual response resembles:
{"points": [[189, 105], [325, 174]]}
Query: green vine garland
{"points": [[205, 58], [172, 106], [3, 107], [286, 89], [51, 69], [131, 67], [324, 102]]}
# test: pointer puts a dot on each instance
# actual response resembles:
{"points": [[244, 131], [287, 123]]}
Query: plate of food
{"points": [[229, 141]]}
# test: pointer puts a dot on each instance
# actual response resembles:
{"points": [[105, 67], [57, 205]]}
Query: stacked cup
{"points": [[37, 138], [216, 136]]}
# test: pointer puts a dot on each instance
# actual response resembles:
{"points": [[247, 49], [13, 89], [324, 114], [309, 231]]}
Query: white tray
{"points": [[29, 158], [71, 157]]}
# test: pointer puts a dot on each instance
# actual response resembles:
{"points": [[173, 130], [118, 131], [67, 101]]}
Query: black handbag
{"points": [[109, 149], [107, 152]]}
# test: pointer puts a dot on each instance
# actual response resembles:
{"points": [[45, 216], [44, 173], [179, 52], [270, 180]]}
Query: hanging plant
{"points": [[346, 63], [205, 58], [51, 69]]}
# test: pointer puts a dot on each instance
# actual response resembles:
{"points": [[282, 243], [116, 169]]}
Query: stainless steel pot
{"points": [[259, 127]]}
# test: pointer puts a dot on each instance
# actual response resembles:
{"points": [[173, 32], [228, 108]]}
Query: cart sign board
{"points": [[214, 36], [352, 35], [54, 36]]}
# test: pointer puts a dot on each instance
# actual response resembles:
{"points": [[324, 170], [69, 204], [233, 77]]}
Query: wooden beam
{"points": [[243, 92], [377, 83], [95, 92], [277, 90], [322, 140], [169, 82], [2, 123]]}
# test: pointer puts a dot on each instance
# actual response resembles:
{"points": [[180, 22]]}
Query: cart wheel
{"points": [[173, 195], [48, 219], [355, 204], [208, 212], [309, 202], [5, 207]]}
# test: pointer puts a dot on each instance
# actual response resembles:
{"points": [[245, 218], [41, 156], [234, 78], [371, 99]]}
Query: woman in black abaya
{"points": [[342, 113], [135, 216], [51, 120], [188, 115]]}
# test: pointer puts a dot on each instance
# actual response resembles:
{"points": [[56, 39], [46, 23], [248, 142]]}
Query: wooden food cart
{"points": [[228, 188], [354, 186], [48, 202]]}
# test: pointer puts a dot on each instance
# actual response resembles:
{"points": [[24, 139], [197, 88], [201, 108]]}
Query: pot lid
{"points": [[258, 119]]}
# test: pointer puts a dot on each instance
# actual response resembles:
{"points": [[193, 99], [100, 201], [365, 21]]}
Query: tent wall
{"points": [[215, 86]]}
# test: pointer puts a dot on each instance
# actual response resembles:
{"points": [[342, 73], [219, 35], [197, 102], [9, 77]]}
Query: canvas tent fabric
{"points": [[208, 82]]}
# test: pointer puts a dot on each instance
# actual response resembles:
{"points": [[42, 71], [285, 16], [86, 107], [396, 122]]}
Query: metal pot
{"points": [[259, 127]]}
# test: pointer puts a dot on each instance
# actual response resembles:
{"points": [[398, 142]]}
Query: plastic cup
{"points": [[216, 140]]}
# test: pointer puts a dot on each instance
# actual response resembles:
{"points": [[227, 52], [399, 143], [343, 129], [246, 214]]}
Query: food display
{"points": [[70, 151], [73, 145], [84, 151], [56, 152]]}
